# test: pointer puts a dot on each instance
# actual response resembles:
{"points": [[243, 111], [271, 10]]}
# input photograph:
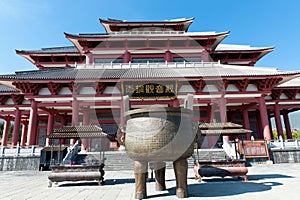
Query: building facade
{"points": [[155, 63]]}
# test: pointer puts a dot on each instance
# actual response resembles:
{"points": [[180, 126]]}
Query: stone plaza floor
{"points": [[266, 181]]}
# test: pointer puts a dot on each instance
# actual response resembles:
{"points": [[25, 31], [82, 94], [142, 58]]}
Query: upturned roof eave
{"points": [[254, 49], [107, 23], [93, 36]]}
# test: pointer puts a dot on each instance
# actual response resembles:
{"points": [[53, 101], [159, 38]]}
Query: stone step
{"points": [[118, 160]]}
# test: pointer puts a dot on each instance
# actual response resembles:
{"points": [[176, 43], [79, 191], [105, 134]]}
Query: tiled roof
{"points": [[219, 125], [227, 128], [89, 131], [206, 71], [146, 34], [141, 22], [225, 132], [234, 47], [292, 83], [66, 49], [4, 89]]}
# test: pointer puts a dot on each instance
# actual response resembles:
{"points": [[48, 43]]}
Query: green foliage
{"points": [[1, 131], [296, 135], [275, 135], [1, 128], [11, 128]]}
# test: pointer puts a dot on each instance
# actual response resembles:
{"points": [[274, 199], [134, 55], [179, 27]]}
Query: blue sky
{"points": [[35, 24]]}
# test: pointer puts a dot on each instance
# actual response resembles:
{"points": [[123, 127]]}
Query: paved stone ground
{"points": [[278, 181]]}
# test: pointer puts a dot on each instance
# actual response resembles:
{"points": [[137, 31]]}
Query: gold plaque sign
{"points": [[155, 89]]}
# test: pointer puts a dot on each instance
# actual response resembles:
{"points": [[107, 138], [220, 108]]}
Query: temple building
{"points": [[155, 63]]}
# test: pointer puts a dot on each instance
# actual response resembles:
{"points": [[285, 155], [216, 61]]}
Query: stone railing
{"points": [[147, 65], [285, 144], [147, 32], [19, 151]]}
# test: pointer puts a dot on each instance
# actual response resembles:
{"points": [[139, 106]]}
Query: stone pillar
{"points": [[278, 120], [16, 131], [264, 118], [246, 122], [32, 126], [6, 131], [50, 127], [24, 133], [75, 116], [287, 125]]}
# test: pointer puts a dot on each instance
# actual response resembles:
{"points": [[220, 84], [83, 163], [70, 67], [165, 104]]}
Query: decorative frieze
{"points": [[28, 87]]}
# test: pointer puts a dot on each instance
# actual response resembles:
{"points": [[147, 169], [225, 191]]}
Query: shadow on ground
{"points": [[218, 189], [95, 183], [221, 189], [228, 186], [267, 176], [210, 187]]}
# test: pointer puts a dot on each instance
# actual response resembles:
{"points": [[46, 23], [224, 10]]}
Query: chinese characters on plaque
{"points": [[161, 89]]}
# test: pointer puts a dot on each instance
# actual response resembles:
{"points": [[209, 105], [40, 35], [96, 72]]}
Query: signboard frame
{"points": [[151, 89], [254, 149]]}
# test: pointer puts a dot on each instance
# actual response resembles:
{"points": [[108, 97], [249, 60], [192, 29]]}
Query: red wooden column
{"points": [[32, 126], [85, 121], [16, 131], [205, 56], [264, 118], [223, 114], [278, 120], [6, 131], [287, 124], [168, 56], [24, 133], [50, 127], [89, 58], [75, 116], [126, 57], [270, 124], [212, 140], [246, 122], [63, 122]]}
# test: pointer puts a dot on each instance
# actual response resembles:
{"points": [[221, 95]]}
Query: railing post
{"points": [[281, 142], [2, 152], [32, 150], [17, 150]]}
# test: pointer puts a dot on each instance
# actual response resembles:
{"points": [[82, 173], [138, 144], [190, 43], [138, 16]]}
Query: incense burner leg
{"points": [[196, 171], [160, 170], [140, 173], [180, 168]]}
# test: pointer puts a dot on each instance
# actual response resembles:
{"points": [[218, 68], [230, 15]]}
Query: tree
{"points": [[1, 129]]}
